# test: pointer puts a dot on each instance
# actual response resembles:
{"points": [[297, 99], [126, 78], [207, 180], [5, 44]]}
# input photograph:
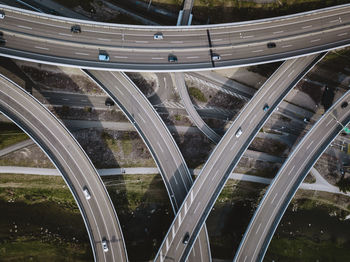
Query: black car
{"points": [[186, 238], [109, 102], [172, 58], [344, 104], [75, 29], [271, 45]]}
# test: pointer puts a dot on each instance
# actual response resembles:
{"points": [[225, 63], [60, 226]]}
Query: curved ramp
{"points": [[74, 165], [284, 186], [195, 117], [156, 136]]}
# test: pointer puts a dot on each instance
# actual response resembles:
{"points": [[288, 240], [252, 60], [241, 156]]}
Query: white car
{"points": [[2, 15], [104, 245], [86, 193], [239, 132], [215, 57], [158, 36]]}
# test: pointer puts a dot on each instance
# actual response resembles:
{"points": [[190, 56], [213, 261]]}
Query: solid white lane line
{"points": [[161, 149], [330, 121], [285, 46], [291, 170], [212, 179], [78, 53], [278, 32], [256, 232], [290, 73], [251, 120], [120, 56], [257, 51], [64, 34], [273, 199], [196, 207], [175, 180], [233, 146], [143, 120], [342, 34], [25, 27], [40, 47], [315, 40], [309, 145], [308, 26]]}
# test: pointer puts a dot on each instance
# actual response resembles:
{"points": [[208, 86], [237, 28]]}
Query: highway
{"points": [[76, 168], [192, 112], [226, 155], [48, 39], [156, 136], [278, 196]]}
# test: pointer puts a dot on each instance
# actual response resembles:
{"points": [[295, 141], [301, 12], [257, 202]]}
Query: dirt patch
{"points": [[269, 146], [31, 156], [145, 82], [257, 167], [111, 149], [88, 113], [215, 98], [59, 80]]}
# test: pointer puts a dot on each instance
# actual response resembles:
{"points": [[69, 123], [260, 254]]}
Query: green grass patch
{"points": [[197, 94], [126, 144], [10, 134]]}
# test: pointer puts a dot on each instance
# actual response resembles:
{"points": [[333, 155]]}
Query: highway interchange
{"points": [[132, 48]]}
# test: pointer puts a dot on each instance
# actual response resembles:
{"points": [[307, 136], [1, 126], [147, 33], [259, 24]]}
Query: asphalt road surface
{"points": [[278, 196], [76, 168], [226, 155], [172, 166], [48, 39]]}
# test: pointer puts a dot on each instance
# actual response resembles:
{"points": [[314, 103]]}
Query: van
{"points": [[103, 56]]}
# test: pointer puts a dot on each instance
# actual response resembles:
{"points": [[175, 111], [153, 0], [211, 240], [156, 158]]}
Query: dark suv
{"points": [[109, 102], [172, 58], [271, 45], [75, 29]]}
